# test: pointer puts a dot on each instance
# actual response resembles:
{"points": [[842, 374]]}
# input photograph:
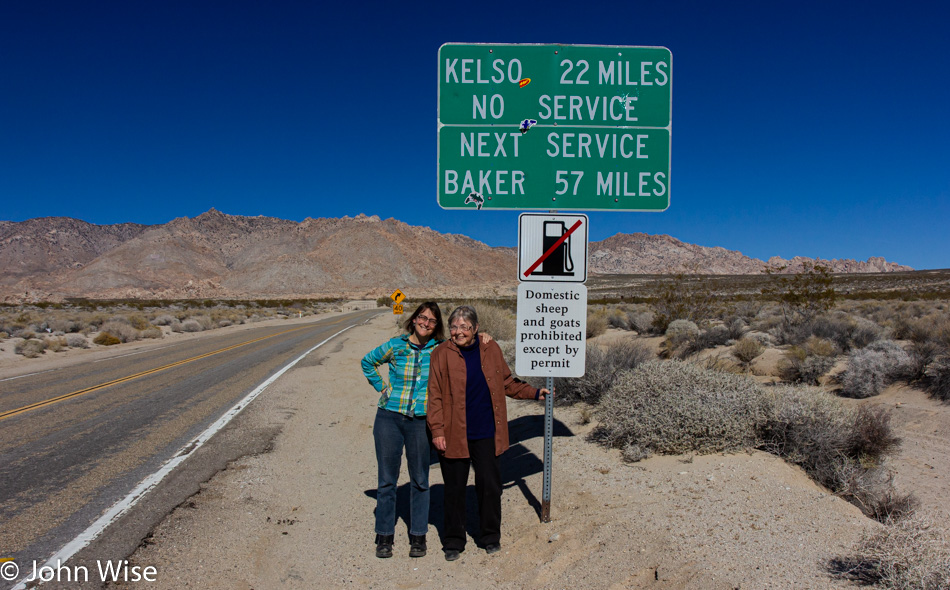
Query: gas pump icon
{"points": [[559, 263]]}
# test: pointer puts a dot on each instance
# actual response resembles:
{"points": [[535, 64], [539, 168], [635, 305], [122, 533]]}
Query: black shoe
{"points": [[492, 548], [384, 546], [451, 554], [417, 545]]}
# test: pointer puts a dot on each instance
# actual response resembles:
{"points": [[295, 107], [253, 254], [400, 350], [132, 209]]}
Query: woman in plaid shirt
{"points": [[401, 423]]}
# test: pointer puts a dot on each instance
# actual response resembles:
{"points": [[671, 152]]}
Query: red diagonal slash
{"points": [[551, 250]]}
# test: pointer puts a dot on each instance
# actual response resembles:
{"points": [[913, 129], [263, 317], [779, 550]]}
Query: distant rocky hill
{"points": [[216, 255], [640, 253], [40, 246]]}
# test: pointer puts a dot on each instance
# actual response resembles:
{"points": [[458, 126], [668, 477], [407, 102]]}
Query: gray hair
{"points": [[466, 312]]}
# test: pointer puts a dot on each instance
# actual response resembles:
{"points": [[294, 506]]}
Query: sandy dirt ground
{"points": [[301, 515]]}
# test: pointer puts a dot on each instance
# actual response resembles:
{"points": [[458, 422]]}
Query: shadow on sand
{"points": [[517, 464]]}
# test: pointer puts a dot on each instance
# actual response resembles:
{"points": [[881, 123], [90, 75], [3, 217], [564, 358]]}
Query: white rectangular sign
{"points": [[552, 248], [552, 330]]}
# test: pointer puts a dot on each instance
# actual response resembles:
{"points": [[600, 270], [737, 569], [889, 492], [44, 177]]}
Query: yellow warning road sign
{"points": [[397, 296], [397, 308]]}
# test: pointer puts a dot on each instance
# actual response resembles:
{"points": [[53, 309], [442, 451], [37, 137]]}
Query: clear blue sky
{"points": [[799, 128]]}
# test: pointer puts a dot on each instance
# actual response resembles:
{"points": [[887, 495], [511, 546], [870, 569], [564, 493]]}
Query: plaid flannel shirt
{"points": [[408, 375]]}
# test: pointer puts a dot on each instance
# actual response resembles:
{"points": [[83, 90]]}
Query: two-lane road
{"points": [[74, 441]]}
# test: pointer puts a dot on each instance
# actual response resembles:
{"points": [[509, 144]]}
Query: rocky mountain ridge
{"points": [[215, 255]]}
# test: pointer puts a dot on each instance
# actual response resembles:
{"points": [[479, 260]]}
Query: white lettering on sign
{"points": [[473, 71], [477, 144], [563, 107], [486, 182], [619, 184], [607, 145], [496, 106], [649, 73]]}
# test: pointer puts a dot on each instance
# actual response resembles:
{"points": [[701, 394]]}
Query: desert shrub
{"points": [[596, 323], [56, 344], [25, 333], [63, 325], [675, 407], [225, 323], [718, 362], [808, 362], [843, 450], [139, 322], [865, 332], [602, 363], [921, 355], [617, 318], [164, 320], [872, 369], [737, 329], [872, 490], [106, 339], [932, 328], [30, 348], [152, 332], [680, 297], [938, 374], [711, 338], [632, 453], [871, 438], [121, 330], [205, 321], [807, 370], [4, 335], [807, 427], [190, 325], [747, 349], [679, 334], [76, 341], [907, 554], [833, 328], [494, 320], [804, 295], [684, 345], [640, 321]]}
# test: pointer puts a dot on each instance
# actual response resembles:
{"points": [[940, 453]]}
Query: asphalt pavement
{"points": [[75, 441]]}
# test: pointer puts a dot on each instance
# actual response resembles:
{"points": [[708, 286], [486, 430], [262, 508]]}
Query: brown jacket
{"points": [[445, 409]]}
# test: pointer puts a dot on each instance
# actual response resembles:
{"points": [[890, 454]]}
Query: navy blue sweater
{"points": [[479, 416]]}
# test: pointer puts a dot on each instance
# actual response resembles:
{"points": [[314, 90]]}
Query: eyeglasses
{"points": [[463, 329], [424, 321]]}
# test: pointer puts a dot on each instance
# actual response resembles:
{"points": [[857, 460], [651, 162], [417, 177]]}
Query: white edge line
{"points": [[147, 484], [28, 375]]}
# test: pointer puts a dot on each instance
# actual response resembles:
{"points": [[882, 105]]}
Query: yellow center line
{"points": [[11, 413]]}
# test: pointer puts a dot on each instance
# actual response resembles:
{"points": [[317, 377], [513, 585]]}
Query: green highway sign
{"points": [[558, 168], [574, 127]]}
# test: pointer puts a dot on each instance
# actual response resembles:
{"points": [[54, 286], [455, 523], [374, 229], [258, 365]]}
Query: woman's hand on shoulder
{"points": [[484, 338]]}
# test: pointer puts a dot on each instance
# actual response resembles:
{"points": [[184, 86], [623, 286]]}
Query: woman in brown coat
{"points": [[467, 414]]}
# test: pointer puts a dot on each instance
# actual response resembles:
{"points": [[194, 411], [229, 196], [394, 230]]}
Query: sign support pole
{"points": [[548, 444]]}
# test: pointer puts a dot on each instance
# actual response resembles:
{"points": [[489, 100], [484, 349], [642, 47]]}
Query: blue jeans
{"points": [[392, 432]]}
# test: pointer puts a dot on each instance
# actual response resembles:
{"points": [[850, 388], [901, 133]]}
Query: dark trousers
{"points": [[487, 490]]}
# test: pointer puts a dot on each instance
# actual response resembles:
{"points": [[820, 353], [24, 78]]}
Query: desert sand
{"points": [[301, 516]]}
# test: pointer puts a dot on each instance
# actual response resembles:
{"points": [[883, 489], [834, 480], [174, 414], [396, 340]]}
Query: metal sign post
{"points": [[548, 452]]}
